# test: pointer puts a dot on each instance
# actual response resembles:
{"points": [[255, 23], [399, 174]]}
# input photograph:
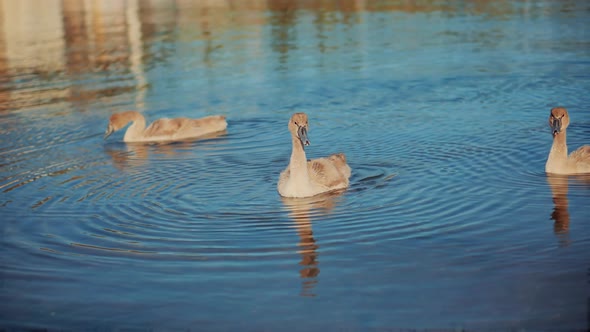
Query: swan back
{"points": [[179, 128], [330, 172], [580, 160]]}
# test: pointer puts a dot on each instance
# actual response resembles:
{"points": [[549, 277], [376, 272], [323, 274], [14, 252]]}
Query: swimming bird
{"points": [[163, 129], [303, 178], [558, 161]]}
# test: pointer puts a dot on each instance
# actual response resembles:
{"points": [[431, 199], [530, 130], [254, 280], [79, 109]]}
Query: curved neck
{"points": [[559, 147], [137, 128], [557, 159], [298, 163]]}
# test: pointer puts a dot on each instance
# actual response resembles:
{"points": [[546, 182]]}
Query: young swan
{"points": [[303, 178], [163, 129], [558, 161]]}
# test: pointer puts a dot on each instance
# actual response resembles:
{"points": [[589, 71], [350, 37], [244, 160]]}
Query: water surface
{"points": [[441, 109]]}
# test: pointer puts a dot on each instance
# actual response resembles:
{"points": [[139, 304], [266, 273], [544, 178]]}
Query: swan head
{"points": [[120, 120], [559, 119], [298, 126]]}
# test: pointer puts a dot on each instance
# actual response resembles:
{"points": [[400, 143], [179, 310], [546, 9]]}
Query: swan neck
{"points": [[557, 161], [298, 163], [136, 129], [559, 147]]}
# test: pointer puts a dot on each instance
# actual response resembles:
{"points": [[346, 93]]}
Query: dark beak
{"points": [[302, 133], [108, 132], [556, 126]]}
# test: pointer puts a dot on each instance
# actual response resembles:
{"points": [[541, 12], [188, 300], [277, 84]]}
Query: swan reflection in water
{"points": [[302, 211], [559, 185], [560, 214], [131, 155]]}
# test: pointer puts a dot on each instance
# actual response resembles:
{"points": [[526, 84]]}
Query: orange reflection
{"points": [[127, 155], [302, 210], [559, 185], [560, 214], [131, 155]]}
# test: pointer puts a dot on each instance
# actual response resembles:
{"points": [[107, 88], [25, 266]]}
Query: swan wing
{"points": [[581, 159], [185, 127], [330, 172], [166, 127]]}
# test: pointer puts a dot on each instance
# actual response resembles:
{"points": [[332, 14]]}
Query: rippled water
{"points": [[441, 109]]}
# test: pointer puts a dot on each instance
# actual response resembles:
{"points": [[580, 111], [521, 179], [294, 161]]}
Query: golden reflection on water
{"points": [[302, 211], [132, 155], [559, 185], [54, 43], [560, 214]]}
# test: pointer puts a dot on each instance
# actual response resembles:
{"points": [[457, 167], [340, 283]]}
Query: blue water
{"points": [[441, 109]]}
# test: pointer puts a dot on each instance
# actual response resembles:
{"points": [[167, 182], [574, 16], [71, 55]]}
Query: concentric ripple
{"points": [[216, 197]]}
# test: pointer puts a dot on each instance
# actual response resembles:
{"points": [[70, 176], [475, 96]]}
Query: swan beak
{"points": [[556, 126], [108, 132], [302, 133]]}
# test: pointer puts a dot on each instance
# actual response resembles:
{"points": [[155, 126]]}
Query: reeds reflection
{"points": [[303, 211], [60, 43]]}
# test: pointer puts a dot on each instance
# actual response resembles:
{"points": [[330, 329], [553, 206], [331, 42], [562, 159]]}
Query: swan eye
{"points": [[295, 123]]}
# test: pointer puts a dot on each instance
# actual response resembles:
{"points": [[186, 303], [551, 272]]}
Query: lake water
{"points": [[450, 221]]}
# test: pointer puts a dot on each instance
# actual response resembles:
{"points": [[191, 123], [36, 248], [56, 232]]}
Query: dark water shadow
{"points": [[559, 185], [303, 211]]}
